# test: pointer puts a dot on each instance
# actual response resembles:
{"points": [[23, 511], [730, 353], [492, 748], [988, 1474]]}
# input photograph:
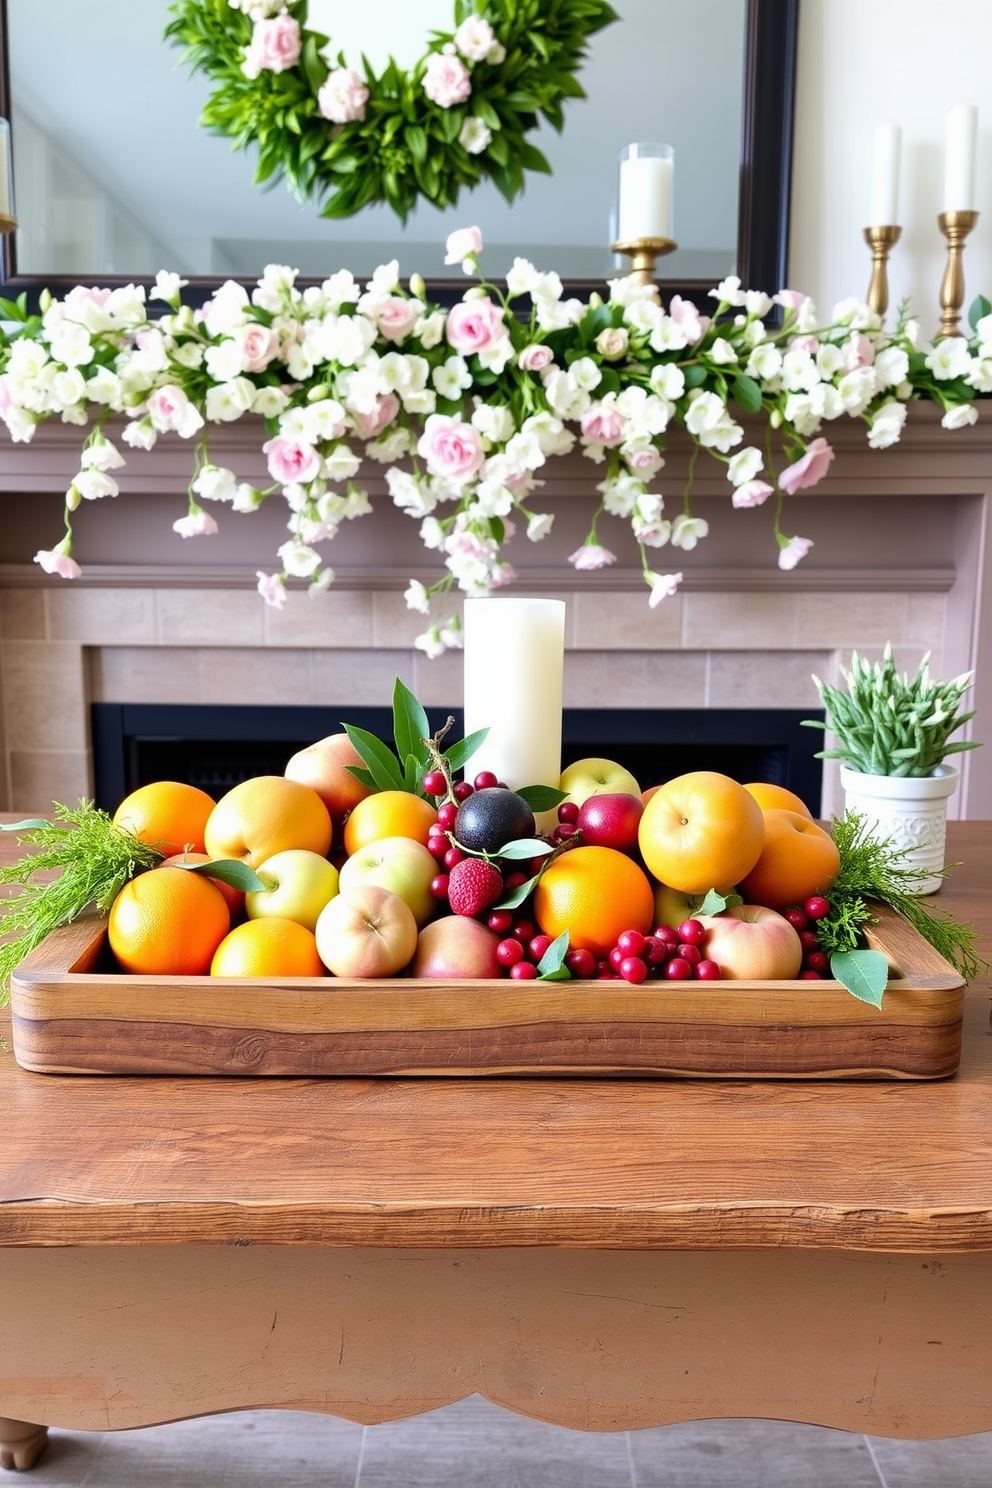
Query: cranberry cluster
{"points": [[668, 954], [804, 918]]}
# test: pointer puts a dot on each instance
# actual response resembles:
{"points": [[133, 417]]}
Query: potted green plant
{"points": [[893, 736]]}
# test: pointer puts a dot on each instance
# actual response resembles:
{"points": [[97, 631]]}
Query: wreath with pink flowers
{"points": [[348, 139]]}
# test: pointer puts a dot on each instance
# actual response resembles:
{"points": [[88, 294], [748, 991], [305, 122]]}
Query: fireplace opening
{"points": [[217, 747]]}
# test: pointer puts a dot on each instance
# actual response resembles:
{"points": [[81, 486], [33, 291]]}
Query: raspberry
{"points": [[473, 885]]}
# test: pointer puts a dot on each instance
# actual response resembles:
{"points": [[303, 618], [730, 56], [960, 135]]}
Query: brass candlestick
{"points": [[643, 252], [955, 226], [7, 225], [881, 241]]}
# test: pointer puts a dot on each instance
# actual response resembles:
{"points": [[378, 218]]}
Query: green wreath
{"points": [[347, 140]]}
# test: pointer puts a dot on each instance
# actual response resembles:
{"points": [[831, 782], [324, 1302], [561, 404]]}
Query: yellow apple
{"points": [[596, 777], [298, 883]]}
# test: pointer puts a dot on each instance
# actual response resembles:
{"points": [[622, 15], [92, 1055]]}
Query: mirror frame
{"points": [[771, 34]]}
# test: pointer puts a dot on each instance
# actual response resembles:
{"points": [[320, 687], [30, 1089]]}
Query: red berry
{"points": [[462, 790], [810, 940], [677, 970], [797, 918], [633, 969], [708, 971], [473, 886], [446, 814], [810, 976], [485, 780], [615, 957], [509, 952], [667, 935], [439, 886], [438, 845], [452, 856], [655, 950], [500, 920], [632, 943], [581, 963], [524, 971], [817, 961], [524, 931], [537, 947], [817, 907], [691, 932], [690, 953], [434, 783], [568, 812], [605, 971], [564, 832]]}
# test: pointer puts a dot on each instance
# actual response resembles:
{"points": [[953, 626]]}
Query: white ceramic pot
{"points": [[911, 811]]}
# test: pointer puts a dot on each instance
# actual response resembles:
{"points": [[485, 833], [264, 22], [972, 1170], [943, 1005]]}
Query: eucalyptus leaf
{"points": [[525, 847], [553, 960], [27, 824], [865, 973], [230, 871]]}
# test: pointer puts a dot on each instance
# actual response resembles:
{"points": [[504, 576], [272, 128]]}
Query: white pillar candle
{"points": [[883, 203], [514, 661], [6, 202], [959, 170], [646, 189]]}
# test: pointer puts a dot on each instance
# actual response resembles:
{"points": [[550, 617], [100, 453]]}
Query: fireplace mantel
{"points": [[900, 553]]}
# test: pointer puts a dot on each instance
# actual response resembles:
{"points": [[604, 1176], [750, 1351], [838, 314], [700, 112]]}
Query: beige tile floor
{"points": [[473, 1444]]}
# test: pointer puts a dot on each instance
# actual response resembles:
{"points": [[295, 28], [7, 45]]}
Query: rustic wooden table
{"points": [[601, 1254]]}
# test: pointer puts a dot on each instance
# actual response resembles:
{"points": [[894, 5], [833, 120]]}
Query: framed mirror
{"points": [[114, 179]]}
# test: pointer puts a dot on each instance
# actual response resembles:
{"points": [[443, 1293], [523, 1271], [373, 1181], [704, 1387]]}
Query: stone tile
{"points": [[22, 614], [769, 679], [271, 677], [394, 625], [144, 674], [219, 617], [40, 776], [95, 617], [634, 679], [926, 620], [958, 1462], [473, 1444], [737, 622], [44, 695], [625, 622], [845, 619], [750, 1454], [338, 617], [359, 676], [440, 683]]}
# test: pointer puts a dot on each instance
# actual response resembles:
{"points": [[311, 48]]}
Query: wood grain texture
{"points": [[75, 1013], [609, 1163]]}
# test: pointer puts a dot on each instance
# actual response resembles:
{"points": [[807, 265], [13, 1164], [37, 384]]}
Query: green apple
{"points": [[398, 864], [298, 883], [596, 777]]}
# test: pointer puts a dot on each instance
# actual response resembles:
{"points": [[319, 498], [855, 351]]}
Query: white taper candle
{"points": [[514, 663], [883, 202], [959, 170]]}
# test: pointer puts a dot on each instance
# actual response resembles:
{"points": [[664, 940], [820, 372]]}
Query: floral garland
{"points": [[349, 139], [465, 406]]}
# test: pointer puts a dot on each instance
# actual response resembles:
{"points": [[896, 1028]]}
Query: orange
{"points": [[235, 897], [595, 893], [778, 797], [391, 813], [167, 922], [268, 948], [168, 814], [701, 830], [265, 815], [798, 859]]}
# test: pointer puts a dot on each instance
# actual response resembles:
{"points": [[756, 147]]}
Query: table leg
{"points": [[21, 1443]]}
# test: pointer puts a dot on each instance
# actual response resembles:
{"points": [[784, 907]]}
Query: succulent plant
{"points": [[892, 724]]}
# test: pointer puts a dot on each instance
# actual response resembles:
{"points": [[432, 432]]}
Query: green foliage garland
{"points": [[405, 146]]}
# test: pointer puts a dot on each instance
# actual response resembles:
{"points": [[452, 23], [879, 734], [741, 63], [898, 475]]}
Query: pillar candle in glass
{"points": [[646, 192], [514, 661]]}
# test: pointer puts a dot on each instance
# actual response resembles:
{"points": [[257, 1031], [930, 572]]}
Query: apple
{"points": [[399, 864], [596, 777], [750, 943], [366, 932], [671, 906], [456, 946], [298, 883], [235, 897], [610, 820], [324, 767]]}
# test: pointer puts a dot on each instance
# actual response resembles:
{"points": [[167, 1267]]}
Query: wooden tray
{"points": [[74, 1012]]}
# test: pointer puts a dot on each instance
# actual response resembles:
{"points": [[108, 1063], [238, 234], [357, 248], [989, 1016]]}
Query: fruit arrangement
{"points": [[368, 862]]}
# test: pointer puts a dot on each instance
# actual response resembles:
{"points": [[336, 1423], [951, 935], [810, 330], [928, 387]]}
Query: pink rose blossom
{"points": [[811, 468], [396, 317], [603, 423], [169, 408], [272, 588], [447, 81], [794, 549], [752, 493], [343, 97], [474, 326], [688, 319], [54, 562], [197, 524], [258, 345], [370, 425], [291, 461], [591, 555], [275, 46], [451, 449], [535, 358]]}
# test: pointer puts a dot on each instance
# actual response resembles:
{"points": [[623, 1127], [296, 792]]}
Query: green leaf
{"points": [[542, 797], [715, 903], [230, 871], [695, 376], [747, 394], [410, 725], [364, 777], [865, 973], [29, 822], [511, 901], [463, 749], [381, 761], [525, 847], [980, 307], [552, 963]]}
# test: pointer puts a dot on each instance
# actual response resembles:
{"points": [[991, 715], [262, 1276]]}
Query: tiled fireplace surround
{"points": [[900, 554]]}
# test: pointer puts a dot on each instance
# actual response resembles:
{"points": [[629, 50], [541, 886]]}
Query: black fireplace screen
{"points": [[216, 747]]}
